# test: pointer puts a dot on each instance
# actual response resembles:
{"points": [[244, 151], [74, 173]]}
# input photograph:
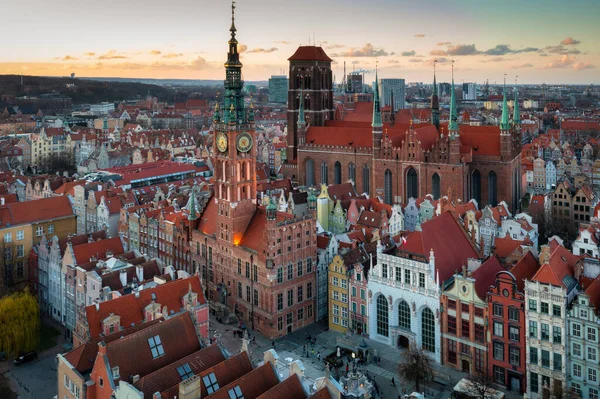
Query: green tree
{"points": [[19, 323], [416, 367]]}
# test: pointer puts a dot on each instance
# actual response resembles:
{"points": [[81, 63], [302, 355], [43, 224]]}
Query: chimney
{"points": [[190, 388], [123, 277], [135, 378]]}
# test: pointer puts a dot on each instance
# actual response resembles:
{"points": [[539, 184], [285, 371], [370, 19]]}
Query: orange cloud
{"points": [[570, 41], [172, 55], [155, 52], [437, 52]]}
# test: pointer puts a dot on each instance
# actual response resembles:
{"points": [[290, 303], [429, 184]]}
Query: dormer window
{"points": [[156, 346], [235, 393], [185, 371], [115, 373], [210, 382]]}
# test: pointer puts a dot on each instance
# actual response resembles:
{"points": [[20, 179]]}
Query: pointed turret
{"points": [[504, 122], [516, 110], [377, 123], [234, 84], [435, 103], [453, 123]]}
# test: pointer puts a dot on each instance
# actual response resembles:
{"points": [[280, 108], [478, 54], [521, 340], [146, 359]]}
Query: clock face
{"points": [[222, 142], [244, 142]]}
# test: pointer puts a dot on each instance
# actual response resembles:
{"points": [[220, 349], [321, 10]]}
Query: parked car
{"points": [[26, 358]]}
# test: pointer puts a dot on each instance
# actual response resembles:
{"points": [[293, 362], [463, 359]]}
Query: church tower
{"points": [[234, 149], [310, 73], [377, 123], [435, 103], [453, 130], [505, 137]]}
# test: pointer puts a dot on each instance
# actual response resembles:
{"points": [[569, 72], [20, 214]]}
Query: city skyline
{"points": [[541, 42]]}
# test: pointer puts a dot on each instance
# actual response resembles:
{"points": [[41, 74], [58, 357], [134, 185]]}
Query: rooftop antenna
{"points": [[314, 41]]}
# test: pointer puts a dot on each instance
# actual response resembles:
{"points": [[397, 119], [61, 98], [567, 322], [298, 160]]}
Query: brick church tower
{"points": [[310, 76], [235, 153]]}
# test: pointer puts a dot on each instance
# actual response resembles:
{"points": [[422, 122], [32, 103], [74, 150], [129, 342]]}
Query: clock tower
{"points": [[234, 151]]}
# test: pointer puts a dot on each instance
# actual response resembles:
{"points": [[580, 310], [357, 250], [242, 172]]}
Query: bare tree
{"points": [[416, 367], [480, 385]]}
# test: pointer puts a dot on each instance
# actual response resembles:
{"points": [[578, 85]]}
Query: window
{"points": [[363, 310], [583, 313], [382, 316], [534, 382], [50, 229], [514, 356], [20, 251], [308, 290], [239, 289], [498, 311], [556, 310], [240, 267], [235, 393], [545, 332], [185, 371], [384, 270], [404, 316], [451, 351], [533, 305], [336, 281], [280, 301], [576, 370], [591, 354], [308, 265], [248, 294], [556, 335], [406, 276], [428, 330], [513, 333], [422, 280], [479, 333], [290, 272], [544, 307], [336, 295], [344, 297], [336, 310], [591, 332], [156, 346], [465, 329], [498, 351], [39, 231], [498, 329], [309, 311], [499, 374], [451, 304], [247, 269], [513, 314], [280, 275], [452, 325], [533, 355], [300, 294], [280, 323], [20, 235], [255, 297], [362, 294], [545, 359], [291, 297], [358, 277], [479, 356], [344, 283], [100, 382], [576, 388], [7, 237], [210, 382], [557, 361], [464, 308], [593, 393], [478, 312], [289, 318], [576, 350], [300, 314], [398, 274], [300, 270], [576, 330]]}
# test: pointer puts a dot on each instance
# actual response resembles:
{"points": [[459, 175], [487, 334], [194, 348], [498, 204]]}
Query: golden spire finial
{"points": [[217, 106], [232, 107]]}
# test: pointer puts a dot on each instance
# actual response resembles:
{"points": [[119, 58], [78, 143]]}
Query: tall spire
{"points": [[504, 124], [233, 100], [376, 106], [516, 111], [453, 124], [232, 28], [301, 119], [435, 102], [193, 215]]}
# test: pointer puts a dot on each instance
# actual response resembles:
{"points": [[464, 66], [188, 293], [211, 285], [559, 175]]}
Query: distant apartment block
{"points": [[102, 108], [395, 88], [278, 89]]}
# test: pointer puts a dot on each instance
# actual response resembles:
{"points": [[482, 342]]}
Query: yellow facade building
{"points": [[338, 295]]}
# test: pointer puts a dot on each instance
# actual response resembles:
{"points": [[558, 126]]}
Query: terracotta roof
{"points": [[485, 140], [322, 393], [504, 246], [84, 356], [178, 339], [80, 239], [252, 384], [560, 265], [368, 218], [310, 53], [342, 191], [208, 222], [98, 249], [167, 378], [525, 269], [485, 275], [228, 371], [450, 243], [322, 241], [35, 211], [290, 388], [131, 307], [593, 292], [253, 237]]}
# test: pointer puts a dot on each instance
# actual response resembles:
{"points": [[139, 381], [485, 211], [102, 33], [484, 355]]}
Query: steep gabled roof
{"points": [[559, 269], [251, 385], [310, 53], [485, 276], [97, 249], [525, 269]]}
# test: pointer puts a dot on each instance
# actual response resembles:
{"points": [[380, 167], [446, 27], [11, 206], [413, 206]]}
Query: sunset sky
{"points": [[547, 41]]}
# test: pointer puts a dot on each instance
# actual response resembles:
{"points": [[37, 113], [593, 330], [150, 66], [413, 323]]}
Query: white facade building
{"points": [[550, 174], [396, 222]]}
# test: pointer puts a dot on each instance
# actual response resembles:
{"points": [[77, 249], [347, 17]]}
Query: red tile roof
{"points": [[504, 246], [290, 388], [228, 371], [35, 211], [593, 292], [485, 140], [560, 264], [253, 237], [322, 241], [485, 276], [252, 385], [310, 53], [98, 249], [131, 307], [208, 222], [525, 269]]}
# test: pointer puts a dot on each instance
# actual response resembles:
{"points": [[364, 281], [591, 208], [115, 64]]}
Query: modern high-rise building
{"points": [[278, 89], [354, 83], [469, 91], [395, 87]]}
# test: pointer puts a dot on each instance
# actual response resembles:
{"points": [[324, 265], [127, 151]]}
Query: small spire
{"points": [[516, 110], [232, 29], [376, 106], [504, 124], [453, 124]]}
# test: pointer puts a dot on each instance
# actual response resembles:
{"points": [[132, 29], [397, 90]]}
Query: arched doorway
{"points": [[366, 178], [428, 330], [492, 189], [352, 172], [435, 186], [388, 187], [412, 184], [337, 173], [403, 342], [324, 172], [476, 187], [310, 172], [383, 324]]}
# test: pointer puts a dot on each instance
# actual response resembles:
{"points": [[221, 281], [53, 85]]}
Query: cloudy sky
{"points": [[552, 41]]}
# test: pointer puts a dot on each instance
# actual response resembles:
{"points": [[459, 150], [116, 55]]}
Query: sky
{"points": [[534, 41]]}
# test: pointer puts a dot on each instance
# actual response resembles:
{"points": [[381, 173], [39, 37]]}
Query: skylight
{"points": [[236, 393], [156, 347], [185, 371], [210, 382]]}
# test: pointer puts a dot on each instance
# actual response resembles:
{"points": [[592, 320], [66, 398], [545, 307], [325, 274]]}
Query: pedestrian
{"points": [[304, 349], [254, 340], [273, 344], [393, 383], [347, 368]]}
